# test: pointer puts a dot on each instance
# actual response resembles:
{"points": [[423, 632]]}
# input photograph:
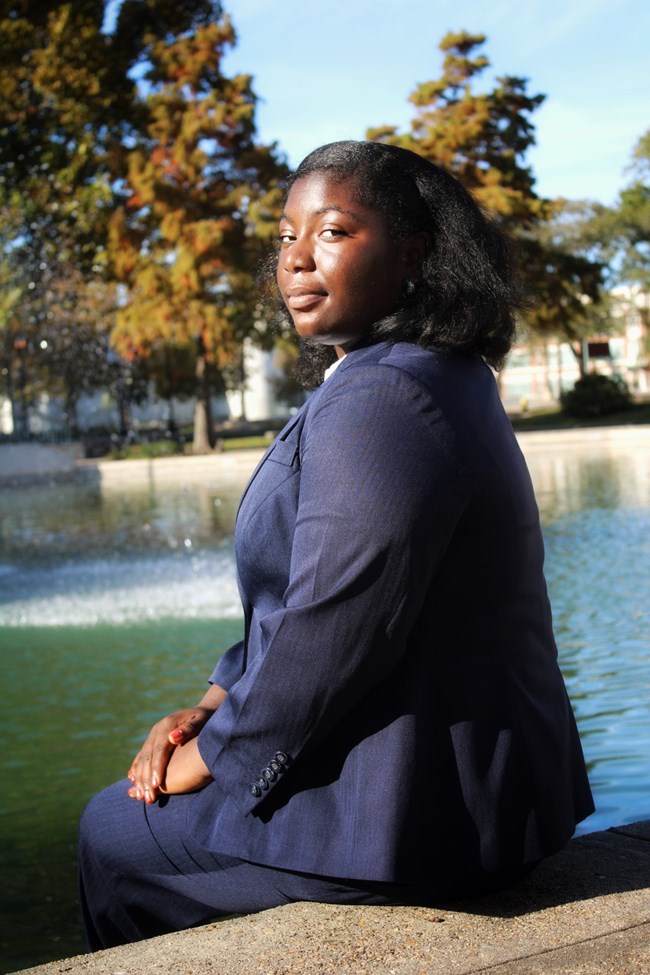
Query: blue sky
{"points": [[328, 70]]}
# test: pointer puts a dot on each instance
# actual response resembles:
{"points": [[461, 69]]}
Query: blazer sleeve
{"points": [[229, 667], [382, 487]]}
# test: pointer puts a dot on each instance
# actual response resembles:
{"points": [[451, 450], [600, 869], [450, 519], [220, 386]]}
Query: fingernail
{"points": [[176, 734], [154, 780]]}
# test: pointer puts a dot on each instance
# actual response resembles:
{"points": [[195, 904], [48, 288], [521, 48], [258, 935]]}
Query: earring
{"points": [[408, 287]]}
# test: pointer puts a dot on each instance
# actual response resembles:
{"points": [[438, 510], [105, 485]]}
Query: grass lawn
{"points": [[244, 443], [171, 448], [554, 419]]}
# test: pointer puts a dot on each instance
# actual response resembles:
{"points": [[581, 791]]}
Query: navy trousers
{"points": [[142, 875]]}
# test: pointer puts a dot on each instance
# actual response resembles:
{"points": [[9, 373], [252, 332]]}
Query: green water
{"points": [[115, 605], [81, 698]]}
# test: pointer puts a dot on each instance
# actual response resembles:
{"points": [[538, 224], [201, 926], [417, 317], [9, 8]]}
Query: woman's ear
{"points": [[414, 251]]}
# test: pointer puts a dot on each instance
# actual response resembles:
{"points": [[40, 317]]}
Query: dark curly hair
{"points": [[467, 296]]}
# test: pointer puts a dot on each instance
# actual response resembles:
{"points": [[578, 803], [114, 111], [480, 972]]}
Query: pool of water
{"points": [[115, 604]]}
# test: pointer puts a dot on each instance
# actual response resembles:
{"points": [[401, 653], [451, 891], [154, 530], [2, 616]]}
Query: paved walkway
{"points": [[585, 911]]}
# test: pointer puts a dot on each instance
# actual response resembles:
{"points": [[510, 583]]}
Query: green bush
{"points": [[154, 448], [595, 395]]}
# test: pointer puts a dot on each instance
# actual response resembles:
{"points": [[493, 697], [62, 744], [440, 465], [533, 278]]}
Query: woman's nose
{"points": [[299, 256]]}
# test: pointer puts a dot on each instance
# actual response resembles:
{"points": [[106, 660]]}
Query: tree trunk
{"points": [[172, 428], [171, 414], [548, 382], [242, 380], [23, 424], [204, 439], [125, 418], [10, 393], [71, 418], [123, 411], [580, 358]]}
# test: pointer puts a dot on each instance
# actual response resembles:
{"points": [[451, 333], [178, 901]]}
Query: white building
{"points": [[537, 372]]}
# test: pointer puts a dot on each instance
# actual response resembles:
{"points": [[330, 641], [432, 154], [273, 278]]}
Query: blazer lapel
{"points": [[282, 435]]}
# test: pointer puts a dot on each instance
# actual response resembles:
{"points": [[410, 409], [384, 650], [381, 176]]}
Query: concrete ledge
{"points": [[235, 463], [36, 460], [56, 464], [596, 438], [585, 911]]}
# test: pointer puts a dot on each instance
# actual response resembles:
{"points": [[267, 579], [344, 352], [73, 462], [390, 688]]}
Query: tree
{"points": [[199, 198], [482, 138], [567, 294], [10, 293], [569, 273], [616, 237], [628, 227], [157, 184], [70, 341], [172, 370], [62, 92], [629, 221]]}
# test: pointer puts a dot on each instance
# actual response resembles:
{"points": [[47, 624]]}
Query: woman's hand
{"points": [[149, 767]]}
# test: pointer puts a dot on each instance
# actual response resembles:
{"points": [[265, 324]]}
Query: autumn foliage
{"points": [[136, 200], [131, 157]]}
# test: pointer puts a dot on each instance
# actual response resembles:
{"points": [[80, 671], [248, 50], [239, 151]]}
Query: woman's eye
{"points": [[285, 237], [333, 232]]}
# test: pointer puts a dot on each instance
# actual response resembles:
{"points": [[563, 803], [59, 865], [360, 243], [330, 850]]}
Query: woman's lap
{"points": [[141, 875]]}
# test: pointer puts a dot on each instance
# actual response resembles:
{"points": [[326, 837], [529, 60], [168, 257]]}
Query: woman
{"points": [[394, 727]]}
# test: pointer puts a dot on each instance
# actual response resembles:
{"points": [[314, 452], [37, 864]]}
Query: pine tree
{"points": [[199, 199], [482, 138]]}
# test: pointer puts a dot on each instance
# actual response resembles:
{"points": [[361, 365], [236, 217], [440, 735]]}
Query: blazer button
{"points": [[275, 765], [256, 791], [269, 774], [282, 758], [262, 784]]}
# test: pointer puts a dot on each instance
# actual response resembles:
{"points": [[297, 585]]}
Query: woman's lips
{"points": [[304, 300]]}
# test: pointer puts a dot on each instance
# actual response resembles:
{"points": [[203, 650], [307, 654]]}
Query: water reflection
{"points": [[42, 523], [595, 507], [572, 480]]}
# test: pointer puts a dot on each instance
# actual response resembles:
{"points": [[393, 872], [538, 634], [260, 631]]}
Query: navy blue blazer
{"points": [[395, 711]]}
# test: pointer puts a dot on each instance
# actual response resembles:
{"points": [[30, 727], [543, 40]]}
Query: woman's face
{"points": [[338, 270]]}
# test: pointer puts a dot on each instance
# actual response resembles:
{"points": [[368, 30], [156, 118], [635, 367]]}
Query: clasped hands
{"points": [[169, 761]]}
